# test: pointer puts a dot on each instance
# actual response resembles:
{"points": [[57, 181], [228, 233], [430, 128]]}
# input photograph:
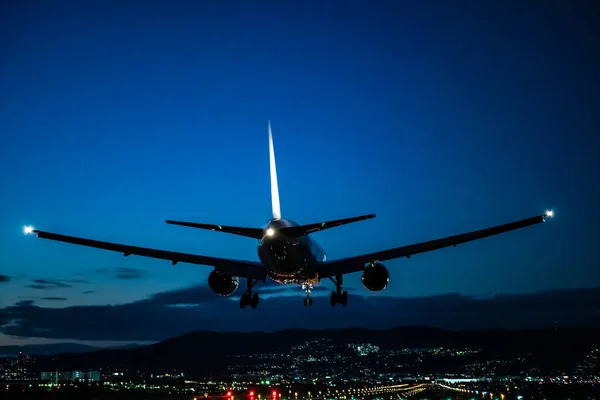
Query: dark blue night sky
{"points": [[440, 117]]}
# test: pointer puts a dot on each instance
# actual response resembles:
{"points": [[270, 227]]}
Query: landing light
{"points": [[28, 229], [270, 232], [549, 214]]}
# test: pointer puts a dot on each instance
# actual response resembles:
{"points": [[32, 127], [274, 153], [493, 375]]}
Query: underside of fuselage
{"points": [[289, 259]]}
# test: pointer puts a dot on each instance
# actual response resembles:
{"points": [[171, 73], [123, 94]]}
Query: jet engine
{"points": [[375, 277], [222, 285]]}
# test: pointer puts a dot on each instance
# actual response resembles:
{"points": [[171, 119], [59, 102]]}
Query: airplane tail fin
{"points": [[274, 186]]}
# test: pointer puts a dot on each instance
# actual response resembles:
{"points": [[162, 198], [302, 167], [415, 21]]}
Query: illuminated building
{"points": [[71, 376]]}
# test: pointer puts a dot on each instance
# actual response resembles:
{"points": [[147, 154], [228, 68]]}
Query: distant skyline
{"points": [[440, 119]]}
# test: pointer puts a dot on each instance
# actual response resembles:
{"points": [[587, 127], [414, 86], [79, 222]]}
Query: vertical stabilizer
{"points": [[274, 186]]}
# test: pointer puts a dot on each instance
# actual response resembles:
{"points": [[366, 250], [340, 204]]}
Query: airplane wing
{"points": [[357, 263], [239, 268]]}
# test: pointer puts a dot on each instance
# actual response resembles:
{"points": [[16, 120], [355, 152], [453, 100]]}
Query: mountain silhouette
{"points": [[205, 353]]}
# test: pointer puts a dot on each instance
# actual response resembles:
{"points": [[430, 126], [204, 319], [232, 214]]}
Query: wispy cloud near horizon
{"points": [[161, 316]]}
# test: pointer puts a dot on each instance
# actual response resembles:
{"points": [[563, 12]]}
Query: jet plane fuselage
{"points": [[289, 259]]}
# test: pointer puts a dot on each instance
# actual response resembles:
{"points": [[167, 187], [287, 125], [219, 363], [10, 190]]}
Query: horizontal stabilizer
{"points": [[297, 231], [255, 233]]}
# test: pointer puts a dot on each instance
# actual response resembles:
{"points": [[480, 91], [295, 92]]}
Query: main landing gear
{"points": [[338, 297], [307, 287], [249, 299]]}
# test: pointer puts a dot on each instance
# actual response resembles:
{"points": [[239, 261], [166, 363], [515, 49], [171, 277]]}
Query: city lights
{"points": [[351, 376]]}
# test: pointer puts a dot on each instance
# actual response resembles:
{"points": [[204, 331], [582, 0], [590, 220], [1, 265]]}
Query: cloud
{"points": [[44, 284], [88, 292], [51, 284], [24, 303], [176, 312], [123, 273], [51, 298], [78, 281], [4, 278], [129, 273], [294, 289], [200, 294]]}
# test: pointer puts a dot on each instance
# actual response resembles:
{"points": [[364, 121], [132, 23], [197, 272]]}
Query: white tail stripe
{"points": [[274, 187]]}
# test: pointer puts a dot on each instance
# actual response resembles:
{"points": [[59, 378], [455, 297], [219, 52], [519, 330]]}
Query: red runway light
{"points": [[228, 394], [252, 393], [274, 393]]}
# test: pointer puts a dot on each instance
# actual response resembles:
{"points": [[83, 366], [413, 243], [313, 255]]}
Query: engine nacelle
{"points": [[222, 285], [375, 277]]}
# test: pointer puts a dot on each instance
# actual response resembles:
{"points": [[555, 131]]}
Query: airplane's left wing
{"points": [[357, 263], [239, 268]]}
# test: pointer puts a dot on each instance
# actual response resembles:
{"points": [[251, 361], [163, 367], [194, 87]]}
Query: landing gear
{"points": [[249, 299], [307, 287], [338, 297]]}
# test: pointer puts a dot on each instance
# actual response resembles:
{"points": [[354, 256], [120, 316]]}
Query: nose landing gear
{"points": [[307, 287]]}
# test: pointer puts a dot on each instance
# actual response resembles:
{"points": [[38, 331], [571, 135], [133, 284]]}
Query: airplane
{"points": [[288, 254]]}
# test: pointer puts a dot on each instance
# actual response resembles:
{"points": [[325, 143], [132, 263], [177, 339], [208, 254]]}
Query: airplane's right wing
{"points": [[239, 268], [357, 263]]}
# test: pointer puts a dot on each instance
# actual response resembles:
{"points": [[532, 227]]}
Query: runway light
{"points": [[270, 232], [28, 229]]}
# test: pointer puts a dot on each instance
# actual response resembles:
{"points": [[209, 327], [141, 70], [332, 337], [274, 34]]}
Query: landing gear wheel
{"points": [[244, 300], [248, 299], [338, 297]]}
